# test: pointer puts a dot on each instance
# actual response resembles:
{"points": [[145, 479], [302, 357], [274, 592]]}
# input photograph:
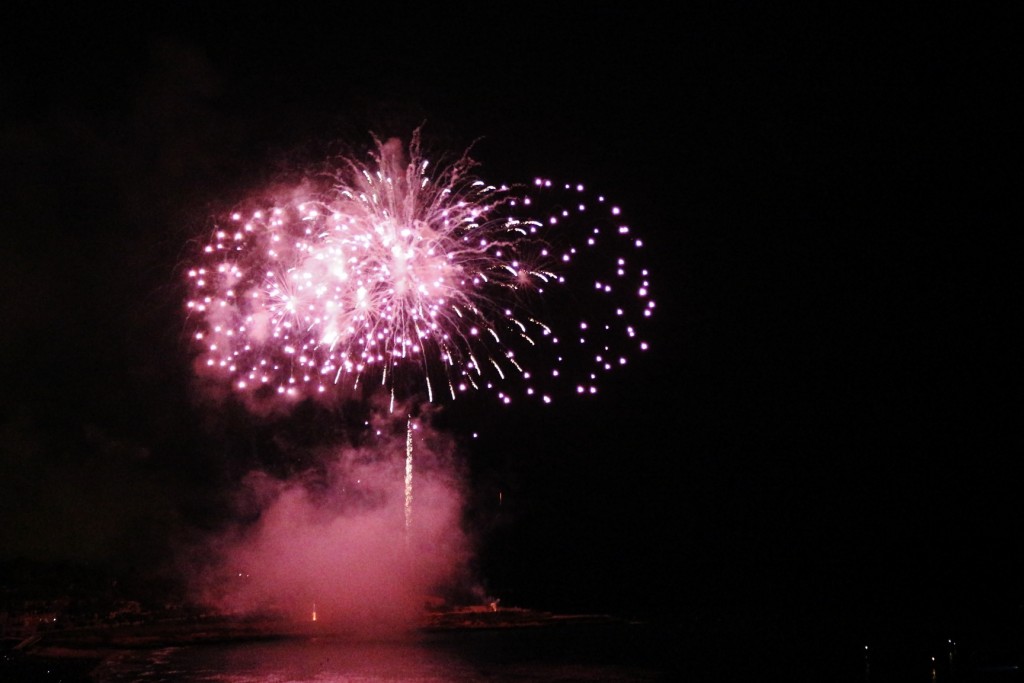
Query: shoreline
{"points": [[96, 642]]}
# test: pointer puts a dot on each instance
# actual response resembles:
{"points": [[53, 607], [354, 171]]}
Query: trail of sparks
{"points": [[423, 284], [408, 476]]}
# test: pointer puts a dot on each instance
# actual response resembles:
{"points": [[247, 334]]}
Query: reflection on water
{"points": [[519, 655]]}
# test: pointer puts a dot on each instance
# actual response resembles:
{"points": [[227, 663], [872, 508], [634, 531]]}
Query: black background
{"points": [[826, 425]]}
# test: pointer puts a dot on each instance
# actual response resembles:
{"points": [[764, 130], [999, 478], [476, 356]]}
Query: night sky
{"points": [[827, 422]]}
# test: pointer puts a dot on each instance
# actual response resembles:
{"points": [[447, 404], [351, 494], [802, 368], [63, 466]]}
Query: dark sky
{"points": [[828, 419]]}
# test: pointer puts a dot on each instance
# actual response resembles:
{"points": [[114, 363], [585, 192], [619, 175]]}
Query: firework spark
{"points": [[426, 283]]}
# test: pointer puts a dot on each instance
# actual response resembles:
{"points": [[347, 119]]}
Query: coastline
{"points": [[75, 655], [94, 641]]}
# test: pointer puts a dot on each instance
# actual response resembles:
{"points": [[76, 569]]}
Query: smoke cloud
{"points": [[348, 539]]}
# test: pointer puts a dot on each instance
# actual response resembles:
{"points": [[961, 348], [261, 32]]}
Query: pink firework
{"points": [[384, 274]]}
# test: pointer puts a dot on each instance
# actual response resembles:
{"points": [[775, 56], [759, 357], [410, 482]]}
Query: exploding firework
{"points": [[388, 273]]}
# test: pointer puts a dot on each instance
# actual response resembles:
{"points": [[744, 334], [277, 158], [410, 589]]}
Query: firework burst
{"points": [[389, 273]]}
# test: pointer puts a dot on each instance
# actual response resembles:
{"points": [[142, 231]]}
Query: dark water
{"points": [[580, 652], [597, 653]]}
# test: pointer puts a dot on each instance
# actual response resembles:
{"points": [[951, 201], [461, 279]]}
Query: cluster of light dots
{"points": [[418, 283]]}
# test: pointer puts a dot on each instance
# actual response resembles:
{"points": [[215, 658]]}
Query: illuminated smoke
{"points": [[339, 539]]}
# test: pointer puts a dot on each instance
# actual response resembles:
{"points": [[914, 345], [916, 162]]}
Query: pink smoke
{"points": [[338, 539]]}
